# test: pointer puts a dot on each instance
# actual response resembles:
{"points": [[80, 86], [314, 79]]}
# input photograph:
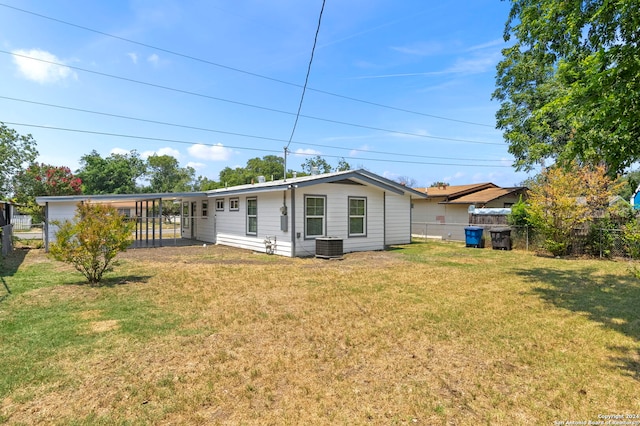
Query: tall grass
{"points": [[431, 333]]}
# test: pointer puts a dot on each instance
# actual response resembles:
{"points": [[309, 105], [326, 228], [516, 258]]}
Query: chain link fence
{"points": [[597, 242]]}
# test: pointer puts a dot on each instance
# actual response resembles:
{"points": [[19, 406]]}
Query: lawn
{"points": [[428, 333]]}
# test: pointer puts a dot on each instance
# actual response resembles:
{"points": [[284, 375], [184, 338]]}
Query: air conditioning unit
{"points": [[329, 247]]}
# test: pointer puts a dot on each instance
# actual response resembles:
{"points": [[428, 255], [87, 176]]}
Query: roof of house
{"points": [[451, 191], [353, 177], [485, 195]]}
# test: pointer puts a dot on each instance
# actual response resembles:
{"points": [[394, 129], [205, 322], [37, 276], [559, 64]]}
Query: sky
{"points": [[400, 88]]}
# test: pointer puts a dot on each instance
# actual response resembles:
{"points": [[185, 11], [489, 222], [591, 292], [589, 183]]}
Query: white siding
{"points": [[337, 217], [398, 219], [58, 212], [231, 225]]}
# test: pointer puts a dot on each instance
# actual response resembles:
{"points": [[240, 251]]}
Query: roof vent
{"points": [[261, 179], [315, 170]]}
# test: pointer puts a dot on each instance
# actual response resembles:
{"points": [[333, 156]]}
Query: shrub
{"points": [[631, 238], [92, 241]]}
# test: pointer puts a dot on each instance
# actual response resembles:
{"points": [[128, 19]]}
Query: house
{"points": [[445, 211], [359, 208]]}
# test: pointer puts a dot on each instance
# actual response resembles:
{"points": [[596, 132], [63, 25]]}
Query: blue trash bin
{"points": [[473, 236]]}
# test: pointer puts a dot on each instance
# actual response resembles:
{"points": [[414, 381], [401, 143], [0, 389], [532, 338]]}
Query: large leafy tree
{"points": [[43, 179], [267, 166], [318, 163], [166, 175], [16, 151], [115, 174], [569, 85]]}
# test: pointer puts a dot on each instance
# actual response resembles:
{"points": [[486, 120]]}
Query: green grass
{"points": [[433, 333]]}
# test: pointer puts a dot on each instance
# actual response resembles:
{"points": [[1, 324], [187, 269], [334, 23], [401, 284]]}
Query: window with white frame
{"points": [[314, 216], [357, 216], [185, 215], [252, 216], [219, 204], [234, 204], [205, 209]]}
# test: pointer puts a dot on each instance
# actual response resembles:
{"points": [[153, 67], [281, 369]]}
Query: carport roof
{"points": [[105, 198]]}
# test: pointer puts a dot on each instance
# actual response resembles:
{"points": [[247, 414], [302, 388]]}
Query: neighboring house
{"points": [[446, 209], [364, 210]]}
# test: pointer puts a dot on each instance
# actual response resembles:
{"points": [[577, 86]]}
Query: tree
{"points": [[406, 181], [41, 179], [15, 152], [317, 163], [569, 86], [115, 174], [438, 184], [267, 166], [343, 166], [166, 175], [563, 200], [203, 183], [92, 241]]}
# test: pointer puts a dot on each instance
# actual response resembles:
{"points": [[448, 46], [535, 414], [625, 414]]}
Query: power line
{"points": [[238, 147], [205, 129], [306, 81], [187, 92], [253, 74]]}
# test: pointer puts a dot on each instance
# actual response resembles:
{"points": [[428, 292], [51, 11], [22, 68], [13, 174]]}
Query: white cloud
{"points": [[162, 151], [420, 49], [213, 153], [154, 59], [41, 69], [133, 56], [307, 151], [453, 178], [493, 43], [196, 166]]}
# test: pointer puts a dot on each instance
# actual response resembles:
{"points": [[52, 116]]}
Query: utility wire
{"points": [[253, 74], [204, 129], [306, 80], [187, 92], [384, 160]]}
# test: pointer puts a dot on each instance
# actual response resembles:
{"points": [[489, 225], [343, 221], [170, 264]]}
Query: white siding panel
{"points": [[59, 212], [398, 219], [337, 218], [282, 248], [231, 225]]}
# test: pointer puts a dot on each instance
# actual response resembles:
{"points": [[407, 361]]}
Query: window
{"points": [[314, 215], [357, 217], [234, 204], [219, 204], [124, 212], [185, 215], [252, 216], [205, 209]]}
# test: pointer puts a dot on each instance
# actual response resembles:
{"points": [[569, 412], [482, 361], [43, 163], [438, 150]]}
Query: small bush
{"points": [[631, 238], [93, 240]]}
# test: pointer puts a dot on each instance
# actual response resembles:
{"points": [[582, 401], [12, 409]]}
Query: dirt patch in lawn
{"points": [[216, 254]]}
